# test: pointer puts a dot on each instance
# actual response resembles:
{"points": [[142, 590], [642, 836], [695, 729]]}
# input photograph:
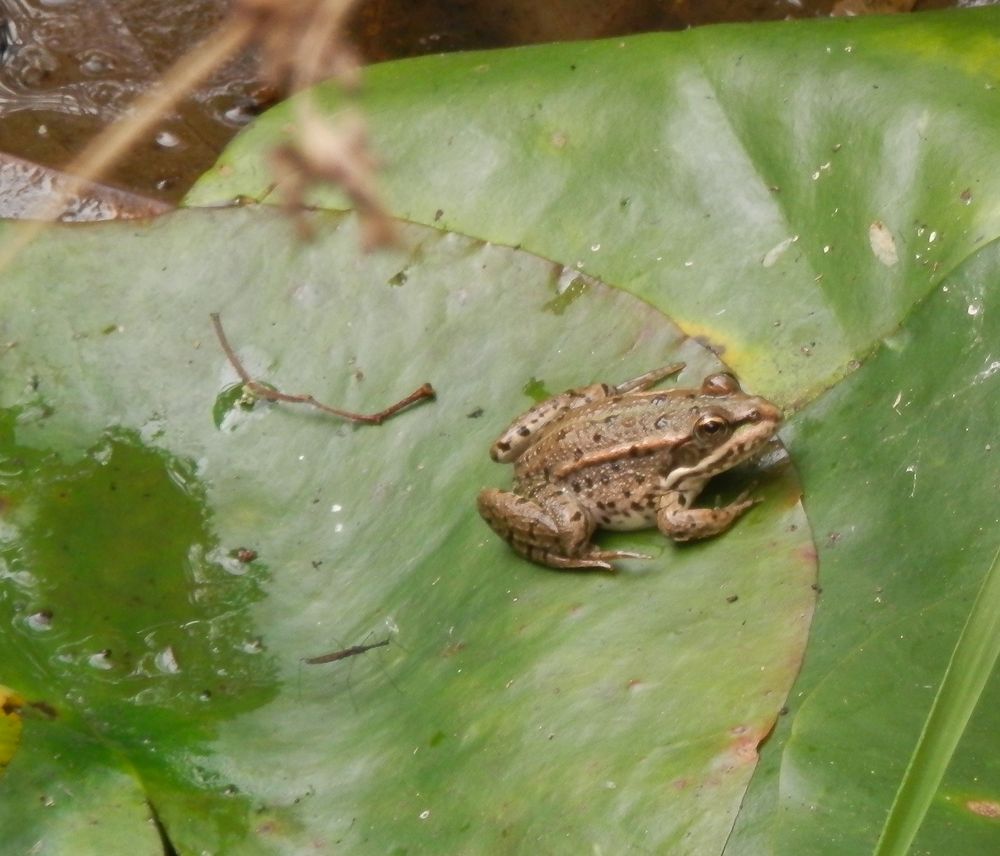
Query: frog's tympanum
{"points": [[622, 457]]}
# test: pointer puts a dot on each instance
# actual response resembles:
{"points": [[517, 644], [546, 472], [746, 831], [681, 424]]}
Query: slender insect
{"points": [[344, 653]]}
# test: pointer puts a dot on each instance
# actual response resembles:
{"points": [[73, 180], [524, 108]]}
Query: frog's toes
{"points": [[617, 554], [568, 563]]}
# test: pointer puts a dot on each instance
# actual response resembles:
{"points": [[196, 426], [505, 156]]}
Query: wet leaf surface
{"points": [[25, 187], [515, 708], [803, 198], [910, 523]]}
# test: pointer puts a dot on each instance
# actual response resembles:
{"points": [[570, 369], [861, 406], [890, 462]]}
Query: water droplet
{"points": [[166, 662], [252, 646], [96, 63], [238, 115], [40, 621], [167, 140], [101, 660]]}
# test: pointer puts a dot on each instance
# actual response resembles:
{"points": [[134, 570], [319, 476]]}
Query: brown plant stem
{"points": [[270, 394]]}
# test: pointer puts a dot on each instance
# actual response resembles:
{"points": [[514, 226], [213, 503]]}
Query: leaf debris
{"points": [[269, 393]]}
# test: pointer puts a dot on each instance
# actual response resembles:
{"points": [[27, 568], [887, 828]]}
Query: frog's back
{"points": [[609, 423], [601, 454]]}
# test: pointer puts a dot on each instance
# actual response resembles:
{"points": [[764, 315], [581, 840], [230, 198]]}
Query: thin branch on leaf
{"points": [[270, 394]]}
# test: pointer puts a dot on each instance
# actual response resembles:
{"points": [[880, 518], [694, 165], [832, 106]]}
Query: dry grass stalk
{"points": [[102, 151], [302, 41]]}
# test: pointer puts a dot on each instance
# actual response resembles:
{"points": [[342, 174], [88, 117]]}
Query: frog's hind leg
{"points": [[648, 379], [531, 529], [555, 532]]}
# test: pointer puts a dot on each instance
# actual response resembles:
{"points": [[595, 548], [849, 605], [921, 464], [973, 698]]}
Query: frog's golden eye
{"points": [[722, 383], [711, 425]]}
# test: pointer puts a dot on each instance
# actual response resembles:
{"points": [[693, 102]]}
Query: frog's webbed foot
{"points": [[597, 559], [744, 499]]}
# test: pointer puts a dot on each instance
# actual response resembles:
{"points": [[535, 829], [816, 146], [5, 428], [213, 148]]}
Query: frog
{"points": [[622, 457]]}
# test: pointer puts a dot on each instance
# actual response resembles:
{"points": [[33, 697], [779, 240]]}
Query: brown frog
{"points": [[622, 457]]}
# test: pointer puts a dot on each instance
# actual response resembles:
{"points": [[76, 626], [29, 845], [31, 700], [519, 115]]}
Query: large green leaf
{"points": [[515, 709], [792, 193], [754, 182], [909, 522]]}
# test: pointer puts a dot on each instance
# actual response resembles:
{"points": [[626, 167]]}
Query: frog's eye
{"points": [[722, 383], [712, 426]]}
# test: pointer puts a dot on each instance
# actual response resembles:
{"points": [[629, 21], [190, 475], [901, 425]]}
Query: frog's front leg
{"points": [[677, 521], [553, 530], [520, 434]]}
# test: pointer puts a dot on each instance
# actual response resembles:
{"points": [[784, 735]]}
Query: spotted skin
{"points": [[622, 457]]}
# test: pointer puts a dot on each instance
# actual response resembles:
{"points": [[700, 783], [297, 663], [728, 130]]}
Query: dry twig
{"points": [[271, 394], [303, 42]]}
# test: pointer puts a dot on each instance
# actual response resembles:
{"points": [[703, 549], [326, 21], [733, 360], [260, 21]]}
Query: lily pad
{"points": [[786, 191], [183, 554], [800, 196]]}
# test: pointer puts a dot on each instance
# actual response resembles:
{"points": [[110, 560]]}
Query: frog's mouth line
{"points": [[725, 457]]}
